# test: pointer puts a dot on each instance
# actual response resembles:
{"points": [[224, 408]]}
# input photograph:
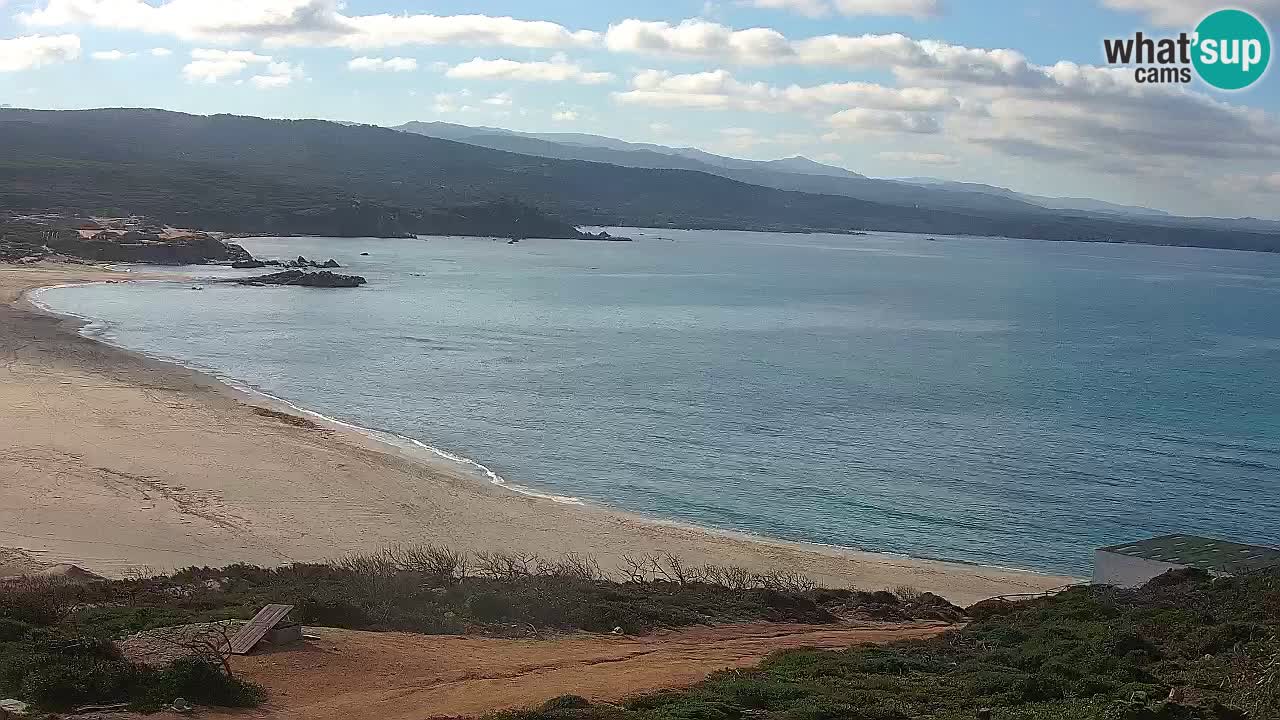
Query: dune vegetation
{"points": [[1185, 646]]}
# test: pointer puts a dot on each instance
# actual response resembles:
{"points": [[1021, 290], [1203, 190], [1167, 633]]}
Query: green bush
{"points": [[80, 681], [565, 702], [330, 612], [58, 672], [756, 692], [489, 605], [203, 682], [12, 629], [1089, 653], [36, 606]]}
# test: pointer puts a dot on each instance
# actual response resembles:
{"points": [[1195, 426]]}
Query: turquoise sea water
{"points": [[1005, 402]]}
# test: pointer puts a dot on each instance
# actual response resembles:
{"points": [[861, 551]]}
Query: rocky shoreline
{"points": [[29, 239], [301, 262]]}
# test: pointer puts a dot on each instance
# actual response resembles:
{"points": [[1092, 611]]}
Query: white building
{"points": [[1133, 564]]}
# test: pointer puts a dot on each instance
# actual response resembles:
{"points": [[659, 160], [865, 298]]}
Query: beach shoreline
{"points": [[122, 461]]}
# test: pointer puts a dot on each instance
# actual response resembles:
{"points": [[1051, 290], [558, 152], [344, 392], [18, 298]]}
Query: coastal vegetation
{"points": [[58, 640], [1185, 647], [250, 175]]}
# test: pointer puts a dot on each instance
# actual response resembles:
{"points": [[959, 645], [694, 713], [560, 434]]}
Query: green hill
{"points": [[309, 176]]}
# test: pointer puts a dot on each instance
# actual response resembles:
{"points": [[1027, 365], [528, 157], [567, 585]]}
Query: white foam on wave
{"points": [[95, 329], [406, 442], [33, 297]]}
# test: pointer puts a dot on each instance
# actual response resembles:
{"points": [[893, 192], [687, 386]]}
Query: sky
{"points": [[1009, 93]]}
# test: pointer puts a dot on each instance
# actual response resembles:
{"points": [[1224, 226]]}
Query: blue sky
{"points": [[1008, 93]]}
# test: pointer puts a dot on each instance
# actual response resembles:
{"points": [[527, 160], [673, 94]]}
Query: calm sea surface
{"points": [[1006, 402]]}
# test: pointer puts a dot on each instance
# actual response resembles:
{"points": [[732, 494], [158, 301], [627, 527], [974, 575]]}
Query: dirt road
{"points": [[351, 675]]}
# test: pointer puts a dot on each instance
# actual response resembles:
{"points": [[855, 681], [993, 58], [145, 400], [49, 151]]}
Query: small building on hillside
{"points": [[1133, 564]]}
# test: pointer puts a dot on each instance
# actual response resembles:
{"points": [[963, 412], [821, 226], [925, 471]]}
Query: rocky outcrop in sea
{"points": [[300, 278]]}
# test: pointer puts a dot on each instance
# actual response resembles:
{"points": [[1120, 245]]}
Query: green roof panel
{"points": [[1205, 553]]}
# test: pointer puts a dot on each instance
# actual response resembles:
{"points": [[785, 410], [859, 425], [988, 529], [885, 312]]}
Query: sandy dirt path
{"points": [[349, 675], [113, 461]]}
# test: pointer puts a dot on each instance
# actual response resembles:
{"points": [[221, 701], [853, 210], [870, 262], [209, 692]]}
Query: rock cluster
{"points": [[602, 235], [322, 279], [302, 262]]}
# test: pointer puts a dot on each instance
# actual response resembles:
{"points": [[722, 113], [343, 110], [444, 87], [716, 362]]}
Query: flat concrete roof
{"points": [[1201, 552]]}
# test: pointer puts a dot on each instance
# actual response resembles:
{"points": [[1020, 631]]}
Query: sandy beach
{"points": [[119, 464]]}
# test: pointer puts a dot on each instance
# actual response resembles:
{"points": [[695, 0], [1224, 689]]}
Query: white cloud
{"points": [[301, 23], [1093, 116], [33, 51], [111, 55], [1186, 14], [1102, 118], [740, 138], [869, 95], [277, 75], [743, 139], [715, 89], [564, 115], [808, 8], [559, 69], [910, 8], [822, 8], [373, 64], [857, 120], [446, 103], [396, 30], [699, 39], [719, 90], [1266, 185], [160, 52], [211, 66], [955, 64], [919, 158], [661, 128], [499, 100], [270, 82]]}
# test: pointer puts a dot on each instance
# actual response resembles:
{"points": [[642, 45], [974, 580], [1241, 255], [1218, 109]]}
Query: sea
{"points": [[1002, 402]]}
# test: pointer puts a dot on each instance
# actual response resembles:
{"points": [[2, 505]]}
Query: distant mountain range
{"points": [[245, 174], [805, 175], [796, 174], [1052, 203]]}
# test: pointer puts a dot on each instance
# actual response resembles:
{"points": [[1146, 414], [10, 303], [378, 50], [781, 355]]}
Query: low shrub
{"points": [[199, 681], [565, 702], [56, 638], [1088, 653], [12, 629]]}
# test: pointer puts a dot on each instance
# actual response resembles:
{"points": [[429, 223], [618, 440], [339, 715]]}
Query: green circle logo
{"points": [[1232, 49]]}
